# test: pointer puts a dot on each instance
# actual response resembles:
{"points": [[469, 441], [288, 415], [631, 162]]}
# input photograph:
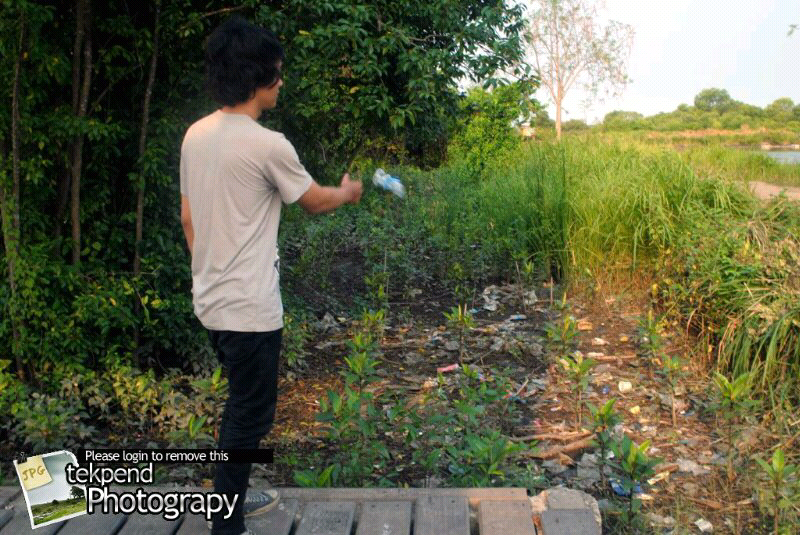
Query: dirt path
{"points": [[763, 190]]}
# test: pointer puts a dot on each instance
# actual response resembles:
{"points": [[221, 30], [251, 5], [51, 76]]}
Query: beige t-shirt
{"points": [[236, 174]]}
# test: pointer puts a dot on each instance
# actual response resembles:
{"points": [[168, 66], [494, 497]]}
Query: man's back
{"points": [[236, 174]]}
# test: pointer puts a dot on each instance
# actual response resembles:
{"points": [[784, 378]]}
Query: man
{"points": [[235, 175]]}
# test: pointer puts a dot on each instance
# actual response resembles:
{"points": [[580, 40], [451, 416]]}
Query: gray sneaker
{"points": [[260, 501], [257, 502]]}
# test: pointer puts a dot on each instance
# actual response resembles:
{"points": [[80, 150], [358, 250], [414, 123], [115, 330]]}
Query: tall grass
{"points": [[730, 265], [741, 165]]}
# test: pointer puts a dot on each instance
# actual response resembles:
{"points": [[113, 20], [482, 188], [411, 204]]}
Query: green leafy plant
{"points": [[460, 319], [315, 478], [561, 335], [732, 403], [673, 369], [782, 493], [604, 419], [478, 460], [633, 467], [294, 338], [650, 329], [577, 369]]}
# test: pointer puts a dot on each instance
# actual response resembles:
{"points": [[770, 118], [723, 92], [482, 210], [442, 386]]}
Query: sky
{"points": [[681, 47]]}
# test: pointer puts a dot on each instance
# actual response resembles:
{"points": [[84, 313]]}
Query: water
{"points": [[785, 156]]}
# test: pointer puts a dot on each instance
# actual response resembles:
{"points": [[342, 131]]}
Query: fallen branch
{"points": [[561, 437], [552, 453]]}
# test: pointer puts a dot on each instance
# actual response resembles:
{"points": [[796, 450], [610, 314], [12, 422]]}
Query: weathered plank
{"points": [[8, 494], [278, 521], [442, 515], [20, 522], [139, 524], [327, 518], [502, 517], [474, 496], [385, 518], [193, 525], [96, 524], [5, 516]]}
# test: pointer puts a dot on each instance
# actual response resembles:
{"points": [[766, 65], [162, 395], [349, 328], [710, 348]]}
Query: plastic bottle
{"points": [[388, 182]]}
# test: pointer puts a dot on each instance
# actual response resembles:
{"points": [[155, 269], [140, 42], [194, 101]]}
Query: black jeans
{"points": [[251, 359]]}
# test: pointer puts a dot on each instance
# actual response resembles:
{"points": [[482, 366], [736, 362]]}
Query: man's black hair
{"points": [[241, 57]]}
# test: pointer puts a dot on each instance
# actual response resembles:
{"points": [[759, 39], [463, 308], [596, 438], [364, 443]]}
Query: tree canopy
{"points": [[98, 96], [570, 46]]}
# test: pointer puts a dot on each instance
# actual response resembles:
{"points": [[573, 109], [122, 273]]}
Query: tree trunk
{"points": [[9, 208], [65, 180], [148, 94], [558, 117], [77, 159]]}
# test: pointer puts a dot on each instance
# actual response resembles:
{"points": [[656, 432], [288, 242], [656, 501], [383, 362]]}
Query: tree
{"points": [[361, 71], [781, 109], [76, 492], [713, 99], [569, 45], [621, 119]]}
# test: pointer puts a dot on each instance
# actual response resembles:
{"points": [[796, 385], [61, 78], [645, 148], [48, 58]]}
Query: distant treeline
{"points": [[713, 109]]}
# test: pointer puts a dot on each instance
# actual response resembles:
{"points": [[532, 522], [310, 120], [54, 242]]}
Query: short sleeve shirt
{"points": [[236, 175]]}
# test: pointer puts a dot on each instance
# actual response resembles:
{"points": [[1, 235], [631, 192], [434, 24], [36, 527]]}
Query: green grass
{"points": [[595, 204], [46, 512]]}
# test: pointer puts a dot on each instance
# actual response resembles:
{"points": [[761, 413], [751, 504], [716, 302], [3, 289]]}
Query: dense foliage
{"points": [[95, 270]]}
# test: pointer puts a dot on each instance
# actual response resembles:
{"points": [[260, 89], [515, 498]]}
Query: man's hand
{"points": [[321, 199], [353, 188]]}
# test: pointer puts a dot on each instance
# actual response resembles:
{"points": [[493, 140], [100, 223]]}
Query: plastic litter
{"points": [[625, 386], [445, 369], [616, 486], [388, 182], [704, 526]]}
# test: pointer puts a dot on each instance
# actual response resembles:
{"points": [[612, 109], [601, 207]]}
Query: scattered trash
{"points": [[625, 386], [518, 317], [529, 299], [661, 476], [328, 323], [704, 526], [554, 467], [599, 342], [388, 182], [585, 325], [498, 344], [619, 491], [452, 345], [659, 521], [490, 297], [623, 338], [606, 389], [635, 410], [691, 467], [536, 350], [445, 369]]}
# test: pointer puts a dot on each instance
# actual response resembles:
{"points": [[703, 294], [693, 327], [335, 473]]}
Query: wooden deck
{"points": [[483, 511]]}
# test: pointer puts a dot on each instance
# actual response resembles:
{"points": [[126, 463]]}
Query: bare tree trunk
{"points": [[148, 94], [77, 160], [64, 182], [558, 117], [10, 207]]}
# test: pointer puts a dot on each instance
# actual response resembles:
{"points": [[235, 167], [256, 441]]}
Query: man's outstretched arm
{"points": [[320, 199], [186, 221]]}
